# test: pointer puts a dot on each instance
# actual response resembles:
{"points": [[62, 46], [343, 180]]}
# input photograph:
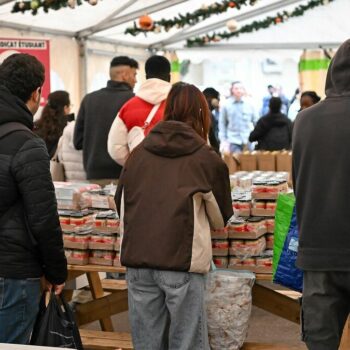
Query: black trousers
{"points": [[325, 308]]}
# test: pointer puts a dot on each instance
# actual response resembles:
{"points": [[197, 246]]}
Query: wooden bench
{"points": [[111, 285], [99, 340], [272, 346]]}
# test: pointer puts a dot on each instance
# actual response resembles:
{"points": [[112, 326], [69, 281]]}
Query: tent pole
{"points": [[160, 5], [83, 67]]}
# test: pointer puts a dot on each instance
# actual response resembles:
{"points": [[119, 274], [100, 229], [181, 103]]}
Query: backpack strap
{"points": [[10, 127], [152, 113]]}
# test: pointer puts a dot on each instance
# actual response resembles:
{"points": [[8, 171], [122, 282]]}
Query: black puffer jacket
{"points": [[273, 132], [30, 235]]}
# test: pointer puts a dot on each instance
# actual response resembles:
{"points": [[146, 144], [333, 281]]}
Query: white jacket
{"points": [[71, 159], [134, 113]]}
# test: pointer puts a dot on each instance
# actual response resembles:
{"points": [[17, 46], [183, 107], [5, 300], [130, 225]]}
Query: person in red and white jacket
{"points": [[152, 92]]}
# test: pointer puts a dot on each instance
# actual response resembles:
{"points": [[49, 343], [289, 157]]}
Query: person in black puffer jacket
{"points": [[274, 130], [31, 244]]}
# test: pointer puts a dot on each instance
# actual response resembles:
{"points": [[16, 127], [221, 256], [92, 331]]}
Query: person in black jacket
{"points": [[321, 167], [96, 115], [31, 242], [274, 130]]}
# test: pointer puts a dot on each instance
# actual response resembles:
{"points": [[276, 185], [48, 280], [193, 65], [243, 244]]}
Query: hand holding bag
{"points": [[55, 325], [137, 133], [57, 168]]}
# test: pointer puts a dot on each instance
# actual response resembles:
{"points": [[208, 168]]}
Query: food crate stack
{"points": [[90, 237], [247, 241], [89, 223]]}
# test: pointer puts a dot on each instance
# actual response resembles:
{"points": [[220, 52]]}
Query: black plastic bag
{"points": [[55, 325]]}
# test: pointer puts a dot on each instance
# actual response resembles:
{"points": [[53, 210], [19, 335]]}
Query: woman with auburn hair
{"points": [[173, 189]]}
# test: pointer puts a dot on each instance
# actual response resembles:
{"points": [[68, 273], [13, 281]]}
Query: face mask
{"points": [[70, 117], [215, 103]]}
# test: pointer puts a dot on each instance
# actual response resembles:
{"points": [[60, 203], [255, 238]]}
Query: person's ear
{"points": [[124, 77], [36, 95]]}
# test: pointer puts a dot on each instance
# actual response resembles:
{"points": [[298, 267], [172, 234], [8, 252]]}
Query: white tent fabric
{"points": [[323, 25], [84, 39]]}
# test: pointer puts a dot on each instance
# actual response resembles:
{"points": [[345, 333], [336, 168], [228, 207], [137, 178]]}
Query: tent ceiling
{"points": [[107, 21]]}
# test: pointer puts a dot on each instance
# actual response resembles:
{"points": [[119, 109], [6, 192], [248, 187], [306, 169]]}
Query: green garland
{"points": [[191, 18], [34, 5], [280, 17]]}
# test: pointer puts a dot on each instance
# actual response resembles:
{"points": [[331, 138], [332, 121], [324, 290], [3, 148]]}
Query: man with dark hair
{"points": [[236, 121], [97, 112], [31, 243], [148, 102], [265, 103], [158, 67]]}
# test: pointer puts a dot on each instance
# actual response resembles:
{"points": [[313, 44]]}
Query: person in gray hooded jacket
{"points": [[321, 166]]}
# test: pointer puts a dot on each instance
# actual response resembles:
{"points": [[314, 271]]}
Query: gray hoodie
{"points": [[321, 166]]}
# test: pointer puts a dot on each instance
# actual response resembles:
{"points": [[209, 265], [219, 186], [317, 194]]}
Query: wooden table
{"points": [[285, 303], [23, 347], [104, 304]]}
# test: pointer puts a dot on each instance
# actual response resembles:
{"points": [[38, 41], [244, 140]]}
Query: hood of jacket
{"points": [[154, 90], [13, 109], [338, 76], [276, 120], [172, 139]]}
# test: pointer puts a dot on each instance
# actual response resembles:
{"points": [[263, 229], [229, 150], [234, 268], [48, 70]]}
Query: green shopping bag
{"points": [[283, 216]]}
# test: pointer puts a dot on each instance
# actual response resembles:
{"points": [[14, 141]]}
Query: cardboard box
{"points": [[232, 162], [255, 269], [266, 161], [100, 261], [284, 161], [263, 212], [219, 234], [246, 235], [74, 261], [265, 195], [220, 251], [248, 161], [116, 261], [101, 246], [75, 245], [269, 245]]}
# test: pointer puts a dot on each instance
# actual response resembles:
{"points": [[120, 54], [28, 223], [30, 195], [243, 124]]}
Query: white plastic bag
{"points": [[229, 304]]}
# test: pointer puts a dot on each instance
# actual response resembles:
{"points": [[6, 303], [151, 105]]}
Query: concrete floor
{"points": [[264, 327]]}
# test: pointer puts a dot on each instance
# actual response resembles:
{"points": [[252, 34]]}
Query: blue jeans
{"points": [[19, 304], [166, 310], [234, 148]]}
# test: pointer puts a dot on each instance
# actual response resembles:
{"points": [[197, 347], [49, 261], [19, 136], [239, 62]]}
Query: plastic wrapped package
{"points": [[70, 195], [229, 303], [247, 248]]}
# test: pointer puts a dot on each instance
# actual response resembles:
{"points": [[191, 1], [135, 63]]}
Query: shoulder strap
{"points": [[152, 113], [8, 128]]}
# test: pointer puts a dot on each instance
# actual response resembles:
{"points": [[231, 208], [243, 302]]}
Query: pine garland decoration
{"points": [[280, 17], [35, 5], [191, 18]]}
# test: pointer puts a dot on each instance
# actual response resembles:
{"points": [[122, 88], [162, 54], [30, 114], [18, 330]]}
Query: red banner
{"points": [[35, 47]]}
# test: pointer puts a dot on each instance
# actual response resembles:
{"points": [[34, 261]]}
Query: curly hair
{"points": [[52, 121], [22, 74]]}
